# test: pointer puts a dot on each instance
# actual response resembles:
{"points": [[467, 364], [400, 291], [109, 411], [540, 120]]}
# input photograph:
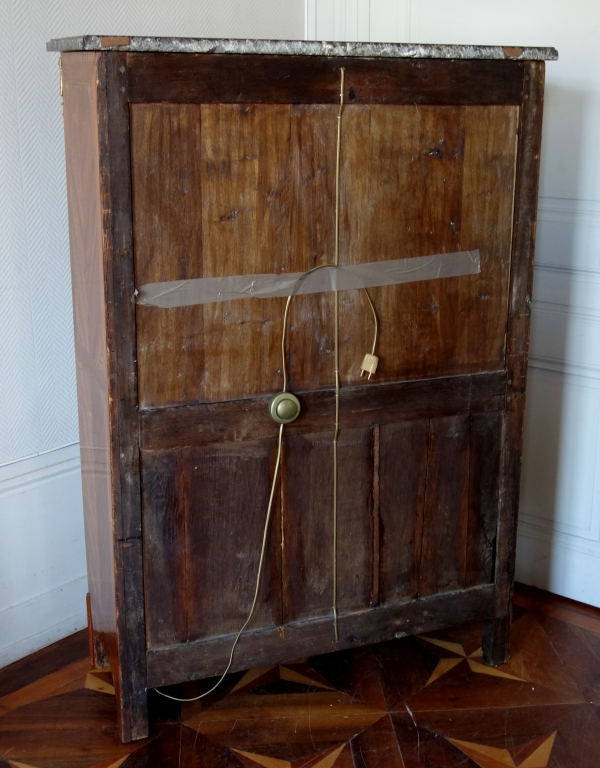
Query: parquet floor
{"points": [[424, 701]]}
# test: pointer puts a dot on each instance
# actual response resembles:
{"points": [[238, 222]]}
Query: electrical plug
{"points": [[369, 364]]}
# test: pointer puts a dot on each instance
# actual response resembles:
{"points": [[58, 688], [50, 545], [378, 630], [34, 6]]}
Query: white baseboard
{"points": [[43, 579], [31, 625], [558, 563]]}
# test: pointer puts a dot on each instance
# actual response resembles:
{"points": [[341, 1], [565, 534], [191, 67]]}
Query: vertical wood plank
{"points": [[402, 479], [167, 206], [414, 155], [445, 522], [226, 498], [129, 666], [523, 248], [308, 523], [484, 468], [246, 212], [165, 548]]}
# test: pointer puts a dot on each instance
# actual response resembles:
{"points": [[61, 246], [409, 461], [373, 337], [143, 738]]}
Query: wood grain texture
{"points": [[523, 248], [194, 661], [453, 170], [230, 78], [484, 477], [226, 503], [127, 657], [402, 483], [261, 175], [165, 548], [446, 514], [89, 315], [307, 497], [364, 406], [204, 516], [167, 204]]}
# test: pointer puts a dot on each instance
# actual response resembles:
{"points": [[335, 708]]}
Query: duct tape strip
{"points": [[207, 290]]}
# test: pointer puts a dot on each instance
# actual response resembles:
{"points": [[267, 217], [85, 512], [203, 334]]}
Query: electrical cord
{"points": [[280, 439]]}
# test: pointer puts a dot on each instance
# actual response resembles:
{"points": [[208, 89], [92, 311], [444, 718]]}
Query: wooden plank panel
{"points": [[210, 78], [445, 522], [402, 477], [453, 170], [167, 204], [267, 206], [267, 171], [308, 523], [364, 406], [484, 468], [226, 497], [165, 547], [487, 222], [272, 645]]}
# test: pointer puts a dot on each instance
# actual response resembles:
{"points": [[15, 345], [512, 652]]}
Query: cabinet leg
{"points": [[496, 641]]}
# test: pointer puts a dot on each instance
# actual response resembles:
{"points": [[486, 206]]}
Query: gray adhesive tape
{"points": [[207, 290]]}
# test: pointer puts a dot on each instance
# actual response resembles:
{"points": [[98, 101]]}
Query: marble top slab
{"points": [[298, 48]]}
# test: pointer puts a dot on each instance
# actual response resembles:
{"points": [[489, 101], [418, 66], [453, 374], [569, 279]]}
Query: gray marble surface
{"points": [[300, 48]]}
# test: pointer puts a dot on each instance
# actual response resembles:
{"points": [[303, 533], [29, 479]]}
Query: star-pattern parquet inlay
{"points": [[424, 701]]}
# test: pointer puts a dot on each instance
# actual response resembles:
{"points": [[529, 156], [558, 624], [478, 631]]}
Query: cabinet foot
{"points": [[496, 641]]}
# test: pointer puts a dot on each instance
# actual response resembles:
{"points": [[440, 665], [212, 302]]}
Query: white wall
{"points": [[559, 531], [42, 559]]}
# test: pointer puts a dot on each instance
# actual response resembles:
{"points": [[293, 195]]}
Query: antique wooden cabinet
{"points": [[189, 159]]}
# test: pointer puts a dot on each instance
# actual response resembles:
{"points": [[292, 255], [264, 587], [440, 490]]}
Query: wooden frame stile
{"points": [[129, 667], [496, 636]]}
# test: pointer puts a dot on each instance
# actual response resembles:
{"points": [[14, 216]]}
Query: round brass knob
{"points": [[284, 408]]}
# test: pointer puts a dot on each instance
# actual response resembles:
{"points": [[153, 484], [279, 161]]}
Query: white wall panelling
{"points": [[559, 532], [42, 566], [42, 557]]}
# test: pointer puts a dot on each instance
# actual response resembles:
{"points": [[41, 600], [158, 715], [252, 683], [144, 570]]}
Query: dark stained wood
{"points": [[484, 471], [226, 499], [257, 648], [523, 248], [127, 657], [364, 406], [496, 640], [165, 548], [402, 479], [307, 496], [446, 515], [376, 527], [230, 78], [167, 206]]}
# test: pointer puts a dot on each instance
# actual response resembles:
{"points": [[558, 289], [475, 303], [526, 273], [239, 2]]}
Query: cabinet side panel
{"points": [[87, 276]]}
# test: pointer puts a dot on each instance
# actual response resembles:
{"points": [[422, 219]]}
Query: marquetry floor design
{"points": [[427, 701]]}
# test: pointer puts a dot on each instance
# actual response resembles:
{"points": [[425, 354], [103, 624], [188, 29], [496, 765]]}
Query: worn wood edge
{"points": [[197, 660], [155, 77], [205, 423], [127, 653], [518, 330]]}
